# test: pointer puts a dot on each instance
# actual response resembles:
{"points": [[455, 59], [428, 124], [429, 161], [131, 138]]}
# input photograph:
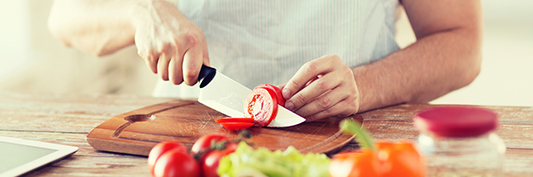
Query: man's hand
{"points": [[322, 88], [172, 45]]}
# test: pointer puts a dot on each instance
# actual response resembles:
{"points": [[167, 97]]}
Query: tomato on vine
{"points": [[160, 148], [176, 163]]}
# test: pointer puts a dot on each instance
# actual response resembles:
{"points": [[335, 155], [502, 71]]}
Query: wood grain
{"points": [[137, 131], [67, 119]]}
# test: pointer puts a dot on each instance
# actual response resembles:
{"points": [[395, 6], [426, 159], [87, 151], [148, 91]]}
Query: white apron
{"points": [[267, 41]]}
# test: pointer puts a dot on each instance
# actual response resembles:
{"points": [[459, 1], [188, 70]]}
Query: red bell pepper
{"points": [[382, 159]]}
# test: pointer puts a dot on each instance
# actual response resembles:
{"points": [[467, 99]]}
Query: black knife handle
{"points": [[206, 75]]}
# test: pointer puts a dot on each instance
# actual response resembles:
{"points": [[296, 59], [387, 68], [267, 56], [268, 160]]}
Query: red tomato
{"points": [[210, 165], [203, 145], [236, 126], [261, 105], [204, 142], [176, 163], [277, 92], [234, 119], [160, 149]]}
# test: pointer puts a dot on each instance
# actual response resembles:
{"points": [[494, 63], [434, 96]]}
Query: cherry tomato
{"points": [[176, 163], [203, 145], [210, 165], [234, 119], [205, 141], [261, 105], [277, 92], [236, 126], [160, 148]]}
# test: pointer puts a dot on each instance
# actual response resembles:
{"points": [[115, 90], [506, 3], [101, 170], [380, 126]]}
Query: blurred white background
{"points": [[34, 62]]}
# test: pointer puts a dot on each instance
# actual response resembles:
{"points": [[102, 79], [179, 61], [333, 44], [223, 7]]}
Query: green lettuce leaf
{"points": [[246, 161]]}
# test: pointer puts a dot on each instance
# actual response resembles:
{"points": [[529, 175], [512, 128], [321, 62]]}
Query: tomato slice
{"points": [[235, 119], [261, 105], [235, 126], [277, 91]]}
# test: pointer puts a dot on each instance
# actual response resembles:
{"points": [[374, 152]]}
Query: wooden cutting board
{"points": [[136, 132]]}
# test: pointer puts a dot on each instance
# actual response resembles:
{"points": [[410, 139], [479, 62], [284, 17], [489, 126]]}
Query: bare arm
{"points": [[172, 45], [445, 57]]}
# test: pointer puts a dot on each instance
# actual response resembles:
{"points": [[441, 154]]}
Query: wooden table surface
{"points": [[67, 119]]}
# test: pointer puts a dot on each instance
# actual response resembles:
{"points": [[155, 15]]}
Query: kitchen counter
{"points": [[68, 118]]}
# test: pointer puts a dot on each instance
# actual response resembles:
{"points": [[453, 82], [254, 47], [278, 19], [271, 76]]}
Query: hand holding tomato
{"points": [[322, 88], [171, 45]]}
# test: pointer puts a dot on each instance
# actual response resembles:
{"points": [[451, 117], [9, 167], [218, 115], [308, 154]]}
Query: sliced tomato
{"points": [[277, 91], [261, 105], [235, 126], [234, 119]]}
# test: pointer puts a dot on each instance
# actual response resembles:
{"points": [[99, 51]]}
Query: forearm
{"points": [[97, 27], [433, 66]]}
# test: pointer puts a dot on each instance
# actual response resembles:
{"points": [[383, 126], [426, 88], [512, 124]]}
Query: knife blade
{"points": [[227, 96]]}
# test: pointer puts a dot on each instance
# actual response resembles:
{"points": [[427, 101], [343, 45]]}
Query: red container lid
{"points": [[456, 121]]}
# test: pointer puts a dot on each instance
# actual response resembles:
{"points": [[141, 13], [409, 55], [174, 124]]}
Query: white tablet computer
{"points": [[19, 156]]}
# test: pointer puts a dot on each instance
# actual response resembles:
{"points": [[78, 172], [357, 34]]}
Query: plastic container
{"points": [[460, 141]]}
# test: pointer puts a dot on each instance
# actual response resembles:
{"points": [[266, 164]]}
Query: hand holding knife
{"points": [[227, 96]]}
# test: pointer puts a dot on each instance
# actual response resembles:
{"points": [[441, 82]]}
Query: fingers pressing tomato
{"points": [[322, 88]]}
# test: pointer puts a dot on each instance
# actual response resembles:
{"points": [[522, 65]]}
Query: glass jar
{"points": [[460, 141]]}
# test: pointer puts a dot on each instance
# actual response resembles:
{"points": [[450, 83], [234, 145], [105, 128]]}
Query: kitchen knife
{"points": [[227, 96]]}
